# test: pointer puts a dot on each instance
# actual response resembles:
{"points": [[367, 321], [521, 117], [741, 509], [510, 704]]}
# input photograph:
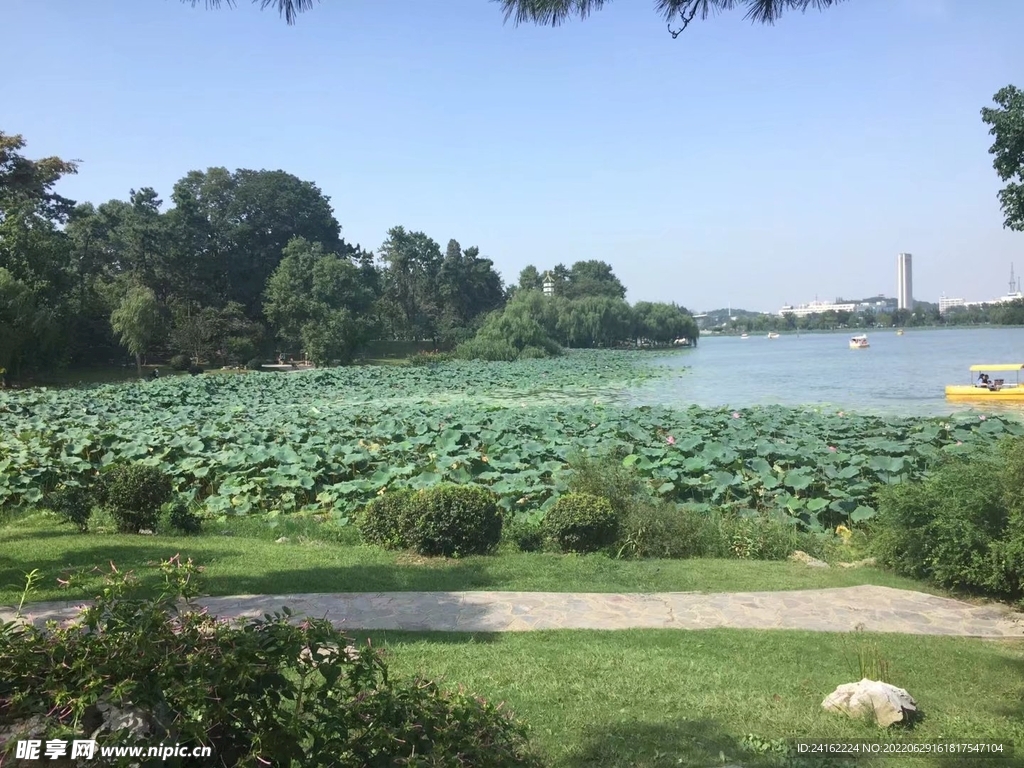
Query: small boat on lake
{"points": [[744, 335], [987, 388], [899, 332], [859, 342], [773, 335]]}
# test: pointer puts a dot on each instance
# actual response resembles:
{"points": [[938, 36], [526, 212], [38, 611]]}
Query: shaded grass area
{"points": [[654, 698], [241, 557]]}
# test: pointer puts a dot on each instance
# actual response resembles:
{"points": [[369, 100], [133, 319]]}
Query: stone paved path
{"points": [[874, 609]]}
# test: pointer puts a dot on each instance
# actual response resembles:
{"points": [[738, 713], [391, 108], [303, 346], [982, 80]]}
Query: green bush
{"points": [[492, 350], [134, 493], [527, 537], [604, 475], [255, 364], [582, 522], [662, 529], [386, 521], [270, 691], [455, 520], [74, 504], [180, 362], [533, 353], [959, 527], [184, 520], [758, 537]]}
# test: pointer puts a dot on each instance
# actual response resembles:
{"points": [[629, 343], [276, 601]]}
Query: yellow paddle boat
{"points": [[988, 387]]}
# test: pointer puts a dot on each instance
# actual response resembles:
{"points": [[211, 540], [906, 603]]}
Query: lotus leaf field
{"points": [[330, 440]]}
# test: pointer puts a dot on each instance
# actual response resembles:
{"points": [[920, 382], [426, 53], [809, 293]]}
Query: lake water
{"points": [[897, 375]]}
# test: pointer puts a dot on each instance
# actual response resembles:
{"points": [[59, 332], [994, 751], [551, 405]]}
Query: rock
{"points": [[885, 704], [867, 561], [282, 540], [803, 557]]}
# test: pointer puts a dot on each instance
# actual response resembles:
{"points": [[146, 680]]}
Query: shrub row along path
{"points": [[871, 608]]}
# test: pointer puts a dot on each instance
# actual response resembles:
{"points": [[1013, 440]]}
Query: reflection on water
{"points": [[896, 375]]}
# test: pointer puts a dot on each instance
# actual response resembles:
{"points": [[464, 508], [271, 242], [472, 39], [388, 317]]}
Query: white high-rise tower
{"points": [[904, 282]]}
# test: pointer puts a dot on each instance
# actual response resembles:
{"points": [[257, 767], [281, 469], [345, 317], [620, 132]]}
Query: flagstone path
{"points": [[871, 608]]}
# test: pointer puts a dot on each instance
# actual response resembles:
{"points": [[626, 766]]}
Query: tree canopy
{"points": [[677, 13], [1007, 128]]}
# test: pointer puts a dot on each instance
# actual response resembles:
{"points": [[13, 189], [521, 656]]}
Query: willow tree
{"points": [[677, 13]]}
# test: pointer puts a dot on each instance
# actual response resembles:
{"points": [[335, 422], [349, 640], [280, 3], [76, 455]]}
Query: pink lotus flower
{"points": [[983, 417], [670, 440], [832, 448], [735, 414], [959, 443], [841, 413]]}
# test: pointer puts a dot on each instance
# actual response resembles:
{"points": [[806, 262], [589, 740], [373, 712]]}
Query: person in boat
{"points": [[984, 381]]}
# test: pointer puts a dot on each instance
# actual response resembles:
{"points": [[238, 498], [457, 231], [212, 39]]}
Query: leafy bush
{"points": [[661, 529], [604, 475], [961, 526], [759, 537], [526, 536], [180, 362], [267, 692], [455, 520], [532, 353], [493, 350], [255, 364], [74, 504], [134, 494], [385, 521], [184, 520], [582, 522]]}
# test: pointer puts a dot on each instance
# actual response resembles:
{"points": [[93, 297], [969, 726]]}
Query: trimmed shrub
{"points": [[269, 691], [582, 522], [386, 520], [256, 364], [73, 504], [180, 362], [604, 475], [455, 520], [134, 493]]}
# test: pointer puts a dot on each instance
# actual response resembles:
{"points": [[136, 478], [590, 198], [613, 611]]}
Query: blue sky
{"points": [[736, 164]]}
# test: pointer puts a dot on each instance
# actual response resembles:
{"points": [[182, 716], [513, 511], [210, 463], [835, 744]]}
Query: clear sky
{"points": [[737, 164]]}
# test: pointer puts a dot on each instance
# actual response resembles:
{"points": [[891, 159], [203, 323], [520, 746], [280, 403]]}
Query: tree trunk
{"points": [[138, 364]]}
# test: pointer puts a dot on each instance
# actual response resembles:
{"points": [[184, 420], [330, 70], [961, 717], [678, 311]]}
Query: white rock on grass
{"points": [[885, 704], [803, 557]]}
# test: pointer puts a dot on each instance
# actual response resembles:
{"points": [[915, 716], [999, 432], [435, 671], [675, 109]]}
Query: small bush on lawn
{"points": [[180, 362], [183, 519], [582, 522], [758, 537], [455, 520], [386, 520], [134, 493], [962, 526], [73, 504], [526, 536], [268, 691], [604, 475], [662, 529], [256, 364]]}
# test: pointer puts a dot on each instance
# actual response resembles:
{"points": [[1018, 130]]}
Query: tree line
{"points": [[247, 264]]}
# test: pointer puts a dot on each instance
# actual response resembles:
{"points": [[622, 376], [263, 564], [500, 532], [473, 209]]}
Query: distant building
{"points": [[549, 284], [817, 308], [904, 282], [946, 303]]}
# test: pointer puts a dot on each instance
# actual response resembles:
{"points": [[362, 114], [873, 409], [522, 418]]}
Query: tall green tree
{"points": [[410, 289], [1007, 127], [593, 278], [137, 321], [318, 300]]}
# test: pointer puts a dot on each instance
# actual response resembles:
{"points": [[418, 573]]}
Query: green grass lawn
{"points": [[653, 698], [241, 557]]}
